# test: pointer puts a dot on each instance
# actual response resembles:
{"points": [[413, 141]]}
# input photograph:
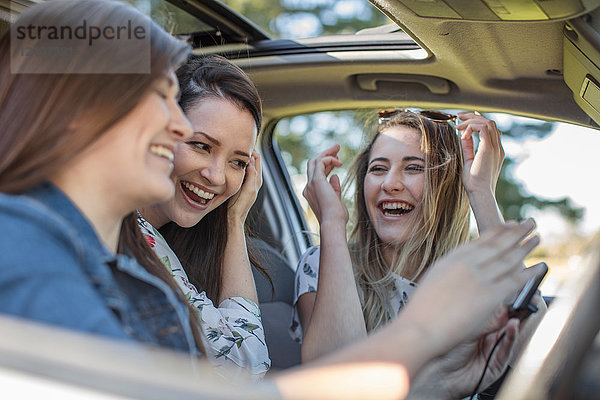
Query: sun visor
{"points": [[494, 10], [581, 64]]}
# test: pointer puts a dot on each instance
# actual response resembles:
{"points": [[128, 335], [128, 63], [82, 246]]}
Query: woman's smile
{"points": [[196, 195], [394, 209], [163, 151]]}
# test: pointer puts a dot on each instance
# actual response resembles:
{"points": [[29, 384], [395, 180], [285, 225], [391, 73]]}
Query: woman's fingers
{"points": [[477, 123], [496, 243], [488, 132], [334, 181], [512, 260], [320, 192], [468, 115], [490, 136], [253, 179], [331, 151], [241, 202], [515, 281], [468, 148], [329, 163], [503, 352], [257, 168], [482, 167], [327, 157], [251, 173], [507, 235]]}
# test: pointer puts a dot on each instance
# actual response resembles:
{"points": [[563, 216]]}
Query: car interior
{"points": [[533, 59]]}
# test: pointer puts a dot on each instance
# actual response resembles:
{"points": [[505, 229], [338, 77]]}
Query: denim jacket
{"points": [[54, 269]]}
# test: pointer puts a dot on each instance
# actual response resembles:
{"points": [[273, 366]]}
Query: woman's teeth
{"points": [[203, 196], [396, 208], [162, 151]]}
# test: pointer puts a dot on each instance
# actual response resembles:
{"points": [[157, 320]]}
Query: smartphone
{"points": [[522, 307]]}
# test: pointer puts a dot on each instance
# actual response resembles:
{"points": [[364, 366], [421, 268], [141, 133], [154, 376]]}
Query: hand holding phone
{"points": [[522, 307]]}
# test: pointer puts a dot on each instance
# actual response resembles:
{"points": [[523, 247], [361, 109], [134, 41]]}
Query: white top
{"points": [[234, 338], [307, 279]]}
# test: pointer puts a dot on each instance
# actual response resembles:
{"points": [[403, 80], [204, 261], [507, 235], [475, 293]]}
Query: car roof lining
{"points": [[519, 71]]}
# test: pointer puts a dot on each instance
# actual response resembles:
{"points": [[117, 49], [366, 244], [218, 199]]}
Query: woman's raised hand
{"points": [[461, 291], [242, 201], [481, 169], [456, 374], [325, 195]]}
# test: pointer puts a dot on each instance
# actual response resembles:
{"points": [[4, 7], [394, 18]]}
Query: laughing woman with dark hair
{"points": [[199, 233]]}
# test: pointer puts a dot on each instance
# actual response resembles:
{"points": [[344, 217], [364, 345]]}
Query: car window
{"points": [[295, 19], [170, 17], [545, 175]]}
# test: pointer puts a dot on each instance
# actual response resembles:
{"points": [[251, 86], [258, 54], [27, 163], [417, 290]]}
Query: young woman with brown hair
{"points": [[199, 233]]}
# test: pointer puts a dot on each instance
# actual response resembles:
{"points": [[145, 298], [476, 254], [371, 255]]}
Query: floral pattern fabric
{"points": [[307, 279], [233, 331]]}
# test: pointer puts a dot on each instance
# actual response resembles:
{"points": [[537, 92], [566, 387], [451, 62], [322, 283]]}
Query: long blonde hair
{"points": [[442, 225]]}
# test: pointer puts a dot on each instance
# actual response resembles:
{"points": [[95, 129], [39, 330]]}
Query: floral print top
{"points": [[233, 331], [307, 277]]}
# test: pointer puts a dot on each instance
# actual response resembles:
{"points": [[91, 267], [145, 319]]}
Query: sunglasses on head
{"points": [[432, 115]]}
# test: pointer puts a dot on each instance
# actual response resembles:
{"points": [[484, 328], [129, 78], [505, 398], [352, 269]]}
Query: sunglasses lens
{"points": [[438, 116], [435, 116], [385, 114]]}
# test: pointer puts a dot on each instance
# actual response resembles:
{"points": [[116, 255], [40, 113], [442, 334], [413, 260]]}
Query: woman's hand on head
{"points": [[481, 169], [462, 290], [325, 195], [241, 202]]}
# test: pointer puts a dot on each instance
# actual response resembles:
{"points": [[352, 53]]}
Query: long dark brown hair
{"points": [[442, 225], [201, 248], [48, 118]]}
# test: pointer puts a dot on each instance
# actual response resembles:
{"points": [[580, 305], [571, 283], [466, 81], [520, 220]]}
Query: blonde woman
{"points": [[413, 189]]}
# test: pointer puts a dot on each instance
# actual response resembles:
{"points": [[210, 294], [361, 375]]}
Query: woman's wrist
{"points": [[482, 192], [405, 343], [333, 226], [235, 219], [236, 225], [485, 209]]}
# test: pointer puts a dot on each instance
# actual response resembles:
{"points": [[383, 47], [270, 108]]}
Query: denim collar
{"points": [[55, 199]]}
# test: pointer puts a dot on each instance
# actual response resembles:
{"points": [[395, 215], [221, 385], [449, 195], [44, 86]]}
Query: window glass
{"points": [[545, 175], [294, 19], [171, 18]]}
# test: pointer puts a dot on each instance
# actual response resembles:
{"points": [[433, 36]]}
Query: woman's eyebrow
{"points": [[209, 138], [384, 159], [242, 153], [407, 158], [413, 158]]}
